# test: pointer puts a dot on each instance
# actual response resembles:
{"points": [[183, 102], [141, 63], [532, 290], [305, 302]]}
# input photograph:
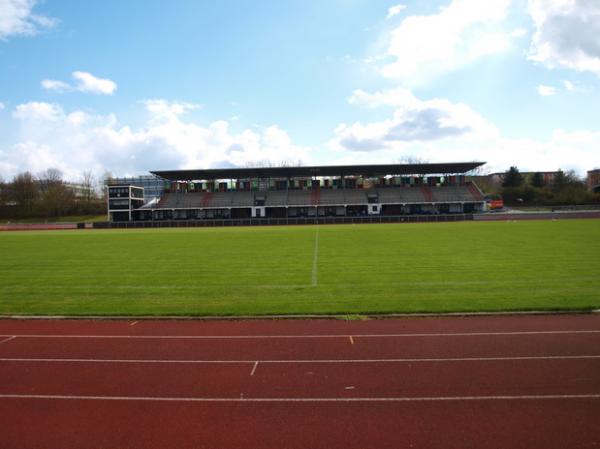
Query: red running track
{"points": [[481, 382]]}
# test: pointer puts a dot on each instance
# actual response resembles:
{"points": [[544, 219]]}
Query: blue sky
{"points": [[131, 86]]}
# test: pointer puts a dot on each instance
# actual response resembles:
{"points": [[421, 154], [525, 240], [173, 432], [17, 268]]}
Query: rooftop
{"points": [[319, 170]]}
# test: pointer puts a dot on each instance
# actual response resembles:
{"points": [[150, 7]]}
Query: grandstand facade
{"points": [[306, 192]]}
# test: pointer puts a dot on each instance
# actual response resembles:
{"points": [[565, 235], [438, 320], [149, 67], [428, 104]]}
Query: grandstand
{"points": [[315, 191]]}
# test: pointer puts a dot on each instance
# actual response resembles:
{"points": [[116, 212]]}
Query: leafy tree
{"points": [[560, 181], [512, 178], [538, 180]]}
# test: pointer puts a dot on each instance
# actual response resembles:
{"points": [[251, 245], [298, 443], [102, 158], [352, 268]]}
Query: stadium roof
{"points": [[319, 170]]}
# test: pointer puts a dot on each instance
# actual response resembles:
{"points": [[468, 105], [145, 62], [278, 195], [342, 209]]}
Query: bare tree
{"points": [[24, 191], [267, 163], [481, 170], [412, 159], [51, 175], [88, 183], [105, 180], [57, 197], [3, 191]]}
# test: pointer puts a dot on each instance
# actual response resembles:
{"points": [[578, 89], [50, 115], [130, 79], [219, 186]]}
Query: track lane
{"points": [[304, 380], [57, 424], [341, 347], [512, 323], [496, 422]]}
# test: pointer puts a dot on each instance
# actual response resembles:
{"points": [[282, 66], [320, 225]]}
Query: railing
{"points": [[285, 221]]}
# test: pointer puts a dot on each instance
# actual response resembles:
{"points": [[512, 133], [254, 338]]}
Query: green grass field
{"points": [[347, 269]]}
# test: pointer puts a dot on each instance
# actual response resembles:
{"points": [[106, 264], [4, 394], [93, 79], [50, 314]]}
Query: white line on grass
{"points": [[323, 361], [299, 336], [315, 258], [355, 399]]}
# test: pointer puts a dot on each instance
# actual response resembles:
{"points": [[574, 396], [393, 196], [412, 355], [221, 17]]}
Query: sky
{"points": [[130, 86]]}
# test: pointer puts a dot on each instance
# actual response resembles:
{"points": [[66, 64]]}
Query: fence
{"points": [[283, 221]]}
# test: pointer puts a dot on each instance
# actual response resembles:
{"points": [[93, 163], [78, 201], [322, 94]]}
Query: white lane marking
{"points": [[245, 399], [299, 336], [134, 323], [8, 339], [351, 339], [292, 361], [315, 259], [254, 368]]}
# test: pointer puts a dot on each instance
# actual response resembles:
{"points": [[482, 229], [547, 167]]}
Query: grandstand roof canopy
{"points": [[320, 170]]}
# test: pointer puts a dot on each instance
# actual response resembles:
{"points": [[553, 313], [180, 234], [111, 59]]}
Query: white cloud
{"points": [[569, 85], [86, 82], [169, 110], [546, 91], [566, 34], [423, 47], [413, 120], [59, 86], [518, 32], [394, 11], [74, 141], [439, 131], [17, 19], [1, 106], [575, 150], [569, 150], [38, 111]]}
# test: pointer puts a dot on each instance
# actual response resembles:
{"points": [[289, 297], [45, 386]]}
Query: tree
{"points": [[512, 178], [3, 192], [106, 179], [58, 198], [538, 180], [482, 170], [267, 163], [411, 159], [89, 193], [24, 191]]}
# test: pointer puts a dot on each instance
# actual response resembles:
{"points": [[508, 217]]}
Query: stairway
{"points": [[427, 194], [475, 192], [315, 196], [206, 199]]}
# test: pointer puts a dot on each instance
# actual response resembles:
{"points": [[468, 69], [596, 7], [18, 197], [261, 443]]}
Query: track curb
{"points": [[347, 316]]}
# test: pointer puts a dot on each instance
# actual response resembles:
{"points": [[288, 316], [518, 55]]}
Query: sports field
{"points": [[346, 269]]}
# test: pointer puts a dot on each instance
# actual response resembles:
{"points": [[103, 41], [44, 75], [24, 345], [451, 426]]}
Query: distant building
{"points": [[593, 180], [79, 190], [153, 186], [498, 178]]}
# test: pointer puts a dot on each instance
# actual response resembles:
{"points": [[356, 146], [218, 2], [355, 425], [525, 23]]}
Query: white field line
{"points": [[300, 336], [8, 339], [297, 361], [254, 368], [338, 399], [315, 259], [29, 286]]}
